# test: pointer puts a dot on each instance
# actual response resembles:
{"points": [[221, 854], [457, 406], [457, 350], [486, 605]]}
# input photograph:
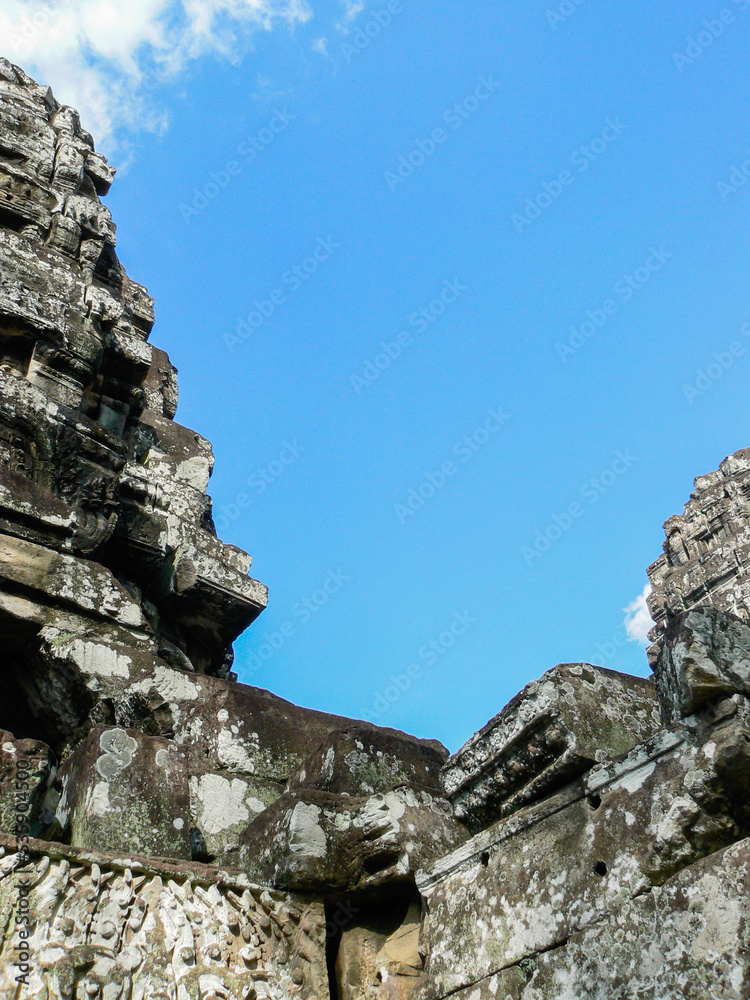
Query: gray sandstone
{"points": [[556, 728], [181, 836], [706, 558]]}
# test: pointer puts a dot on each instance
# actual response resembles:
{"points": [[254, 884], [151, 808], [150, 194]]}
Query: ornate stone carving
{"points": [[557, 728], [122, 931]]}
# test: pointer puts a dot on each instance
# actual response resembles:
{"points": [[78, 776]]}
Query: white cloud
{"points": [[352, 10], [638, 621], [321, 45], [103, 56]]}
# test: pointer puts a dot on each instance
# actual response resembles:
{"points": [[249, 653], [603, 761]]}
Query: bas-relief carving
{"points": [[115, 934]]}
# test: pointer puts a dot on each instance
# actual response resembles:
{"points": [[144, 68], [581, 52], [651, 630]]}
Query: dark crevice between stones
{"points": [[11, 220], [333, 942], [360, 923], [15, 714], [379, 862], [198, 849]]}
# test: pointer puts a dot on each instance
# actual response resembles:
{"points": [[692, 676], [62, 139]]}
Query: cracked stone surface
{"points": [[686, 938], [167, 833]]}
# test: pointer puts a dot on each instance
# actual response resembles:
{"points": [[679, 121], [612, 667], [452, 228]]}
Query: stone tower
{"points": [[706, 559]]}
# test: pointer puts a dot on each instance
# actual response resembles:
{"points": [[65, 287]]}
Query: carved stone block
{"points": [[706, 559], [555, 729], [126, 929], [704, 654]]}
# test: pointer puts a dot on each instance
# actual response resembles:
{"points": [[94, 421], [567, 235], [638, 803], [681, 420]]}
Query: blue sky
{"points": [[460, 296]]}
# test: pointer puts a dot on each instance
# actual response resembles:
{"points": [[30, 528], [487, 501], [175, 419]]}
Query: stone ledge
{"points": [[555, 729]]}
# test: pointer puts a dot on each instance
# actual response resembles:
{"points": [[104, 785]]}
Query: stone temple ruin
{"points": [[171, 834]]}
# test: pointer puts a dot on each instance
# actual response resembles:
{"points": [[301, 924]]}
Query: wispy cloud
{"points": [[104, 56], [638, 621], [352, 10]]}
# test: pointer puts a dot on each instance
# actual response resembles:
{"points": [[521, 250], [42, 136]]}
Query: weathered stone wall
{"points": [[239, 747], [169, 834], [687, 939], [578, 859]]}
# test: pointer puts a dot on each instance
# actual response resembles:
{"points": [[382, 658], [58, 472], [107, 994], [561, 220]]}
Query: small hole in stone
{"points": [[485, 858], [600, 869], [595, 801]]}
